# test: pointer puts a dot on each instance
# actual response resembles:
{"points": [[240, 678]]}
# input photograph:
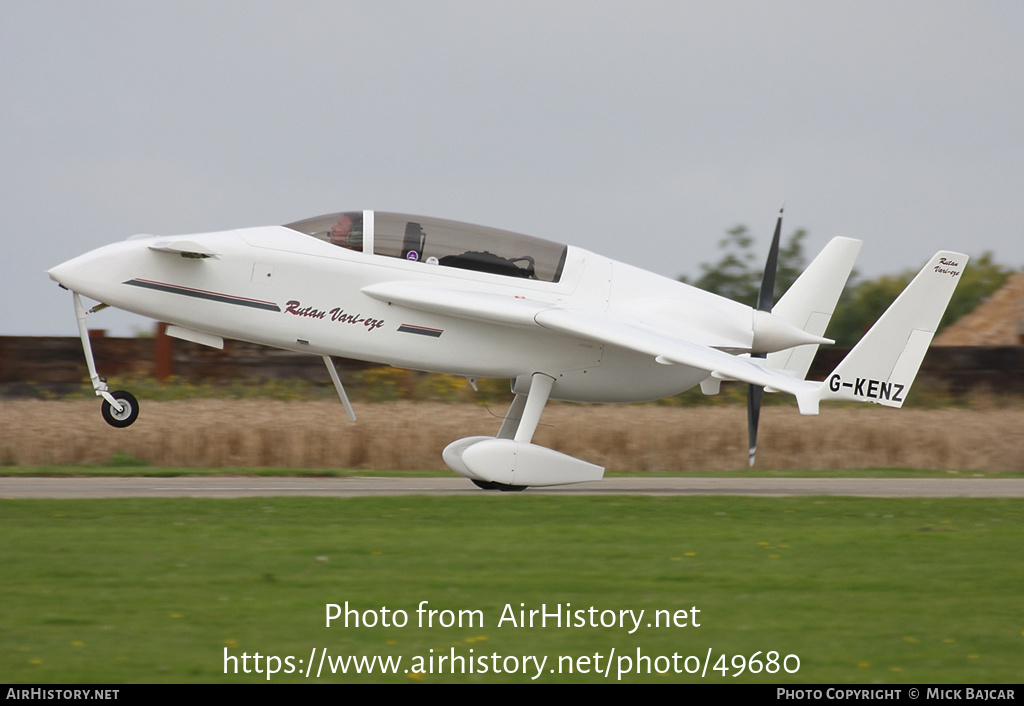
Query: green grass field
{"points": [[860, 590]]}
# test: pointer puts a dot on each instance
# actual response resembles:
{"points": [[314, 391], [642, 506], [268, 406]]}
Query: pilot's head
{"points": [[343, 234]]}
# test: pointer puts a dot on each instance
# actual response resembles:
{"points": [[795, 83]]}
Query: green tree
{"points": [[737, 275], [862, 303]]}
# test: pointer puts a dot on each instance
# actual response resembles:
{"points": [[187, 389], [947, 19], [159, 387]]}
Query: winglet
{"points": [[882, 366], [809, 303]]}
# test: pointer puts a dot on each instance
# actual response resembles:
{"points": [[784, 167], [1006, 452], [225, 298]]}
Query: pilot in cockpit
{"points": [[348, 232]]}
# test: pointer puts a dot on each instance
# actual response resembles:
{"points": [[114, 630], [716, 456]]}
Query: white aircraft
{"points": [[558, 321]]}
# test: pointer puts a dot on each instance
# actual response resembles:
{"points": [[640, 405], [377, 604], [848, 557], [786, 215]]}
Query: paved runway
{"points": [[250, 486]]}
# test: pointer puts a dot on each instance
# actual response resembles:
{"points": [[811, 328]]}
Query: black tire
{"points": [[125, 418], [503, 487]]}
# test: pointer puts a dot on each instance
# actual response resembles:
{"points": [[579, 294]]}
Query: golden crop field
{"points": [[216, 433]]}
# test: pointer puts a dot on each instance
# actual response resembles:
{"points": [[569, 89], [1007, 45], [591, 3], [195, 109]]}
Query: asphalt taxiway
{"points": [[253, 486]]}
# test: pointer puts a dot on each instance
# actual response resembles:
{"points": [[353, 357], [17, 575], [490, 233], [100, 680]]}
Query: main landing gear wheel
{"points": [[503, 487], [128, 413]]}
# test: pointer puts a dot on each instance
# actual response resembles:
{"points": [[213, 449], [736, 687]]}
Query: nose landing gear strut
{"points": [[120, 409]]}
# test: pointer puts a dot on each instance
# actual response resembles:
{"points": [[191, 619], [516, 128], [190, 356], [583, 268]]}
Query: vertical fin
{"points": [[882, 366], [811, 300]]}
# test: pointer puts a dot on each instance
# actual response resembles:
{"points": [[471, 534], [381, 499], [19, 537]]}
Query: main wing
{"points": [[600, 327], [671, 350]]}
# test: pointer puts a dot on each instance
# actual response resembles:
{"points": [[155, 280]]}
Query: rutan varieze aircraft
{"points": [[558, 321]]}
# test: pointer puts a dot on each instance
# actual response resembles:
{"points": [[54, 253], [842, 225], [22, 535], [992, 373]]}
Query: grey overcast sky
{"points": [[640, 130]]}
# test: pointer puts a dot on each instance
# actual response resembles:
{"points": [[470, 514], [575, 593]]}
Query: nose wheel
{"points": [[124, 413]]}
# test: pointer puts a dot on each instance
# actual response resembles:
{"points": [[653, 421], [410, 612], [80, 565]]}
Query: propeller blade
{"points": [[765, 301], [753, 416], [766, 296]]}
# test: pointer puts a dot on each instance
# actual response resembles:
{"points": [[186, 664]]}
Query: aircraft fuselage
{"points": [[284, 289]]}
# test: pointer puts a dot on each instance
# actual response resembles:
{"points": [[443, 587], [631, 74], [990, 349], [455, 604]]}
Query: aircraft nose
{"points": [[57, 273], [70, 274], [60, 272], [82, 273]]}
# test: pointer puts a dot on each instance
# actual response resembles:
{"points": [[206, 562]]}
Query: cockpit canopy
{"points": [[435, 241]]}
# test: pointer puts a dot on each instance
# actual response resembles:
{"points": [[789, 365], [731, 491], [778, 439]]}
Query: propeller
{"points": [[765, 299]]}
